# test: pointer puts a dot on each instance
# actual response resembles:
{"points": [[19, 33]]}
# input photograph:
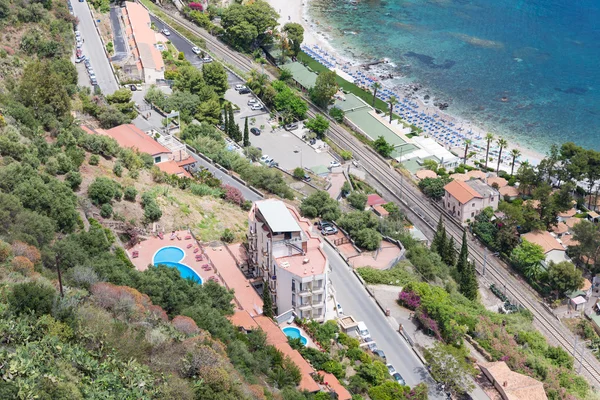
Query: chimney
{"points": [[505, 384]]}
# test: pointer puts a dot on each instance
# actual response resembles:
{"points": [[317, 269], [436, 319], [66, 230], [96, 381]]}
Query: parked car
{"points": [[77, 34], [239, 87], [256, 107], [196, 50], [399, 378], [334, 164], [273, 164], [255, 131], [312, 141], [244, 90], [133, 88], [91, 71], [380, 353], [391, 369], [329, 230], [79, 59], [78, 53], [306, 178], [339, 308], [266, 159], [165, 32], [79, 45], [291, 127], [207, 60], [362, 330], [323, 224], [372, 346], [252, 101]]}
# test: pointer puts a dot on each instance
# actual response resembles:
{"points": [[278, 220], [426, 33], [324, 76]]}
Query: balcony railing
{"points": [[304, 306], [304, 293], [318, 290]]}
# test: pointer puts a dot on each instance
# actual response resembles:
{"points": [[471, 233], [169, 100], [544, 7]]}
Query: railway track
{"points": [[418, 206]]}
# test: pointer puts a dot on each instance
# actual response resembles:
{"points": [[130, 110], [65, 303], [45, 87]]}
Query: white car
{"points": [[207, 60], [166, 32], [334, 164], [239, 87], [77, 34], [266, 159], [391, 369], [91, 71], [252, 102], [256, 106], [196, 50], [339, 308]]}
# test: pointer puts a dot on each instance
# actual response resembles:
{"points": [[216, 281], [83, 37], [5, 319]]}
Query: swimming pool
{"points": [[294, 333], [171, 257]]}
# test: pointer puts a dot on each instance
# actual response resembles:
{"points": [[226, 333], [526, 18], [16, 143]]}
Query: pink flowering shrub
{"points": [[196, 6], [429, 323], [233, 195], [410, 299]]}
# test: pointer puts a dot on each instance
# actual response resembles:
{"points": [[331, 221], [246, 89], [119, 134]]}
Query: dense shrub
{"points": [[32, 297], [130, 193]]}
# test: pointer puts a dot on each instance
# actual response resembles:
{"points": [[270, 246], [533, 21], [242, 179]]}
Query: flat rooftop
{"points": [[277, 216], [301, 74]]}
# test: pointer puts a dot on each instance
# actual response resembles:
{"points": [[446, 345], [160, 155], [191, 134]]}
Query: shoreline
{"points": [[297, 11]]}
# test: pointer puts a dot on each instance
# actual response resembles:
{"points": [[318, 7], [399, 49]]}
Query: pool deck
{"points": [[148, 248]]}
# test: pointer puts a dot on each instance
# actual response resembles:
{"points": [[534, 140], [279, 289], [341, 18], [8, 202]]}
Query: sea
{"points": [[527, 70]]}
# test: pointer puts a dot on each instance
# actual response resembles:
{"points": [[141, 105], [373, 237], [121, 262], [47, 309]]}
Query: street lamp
{"points": [[485, 259], [299, 151]]}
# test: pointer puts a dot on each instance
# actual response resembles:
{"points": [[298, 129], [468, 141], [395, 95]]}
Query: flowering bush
{"points": [[25, 250], [196, 6], [410, 299], [233, 195], [185, 325], [429, 323], [23, 265]]}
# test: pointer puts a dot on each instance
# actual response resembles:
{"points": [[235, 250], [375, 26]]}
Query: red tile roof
{"points": [[375, 199], [172, 167], [461, 191], [243, 319], [145, 37], [331, 380], [544, 239], [131, 137]]}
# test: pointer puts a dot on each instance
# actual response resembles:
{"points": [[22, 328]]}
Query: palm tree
{"points": [[502, 143], [392, 101], [257, 82], [376, 86], [515, 153], [468, 142], [488, 138]]}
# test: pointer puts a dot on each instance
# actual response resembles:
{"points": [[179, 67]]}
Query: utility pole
{"points": [[60, 285]]}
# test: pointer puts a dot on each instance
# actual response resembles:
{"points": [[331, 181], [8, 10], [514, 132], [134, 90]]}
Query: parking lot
{"points": [[286, 148]]}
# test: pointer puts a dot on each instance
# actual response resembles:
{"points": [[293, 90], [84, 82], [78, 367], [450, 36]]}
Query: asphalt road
{"points": [[182, 44], [92, 47], [355, 300]]}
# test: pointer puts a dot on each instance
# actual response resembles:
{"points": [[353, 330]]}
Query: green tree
{"points": [[73, 179], [102, 190], [152, 212], [267, 302], [383, 147], [438, 244], [564, 277], [449, 255], [320, 204], [587, 236], [376, 86], [357, 200], [337, 114], [130, 193], [246, 133], [368, 239], [189, 79], [249, 26], [346, 188], [285, 75], [434, 187], [318, 125], [468, 142], [43, 90], [449, 366], [502, 143], [388, 390], [515, 153], [106, 210], [527, 255], [465, 271], [215, 75], [295, 34], [392, 101], [488, 139], [32, 297], [325, 88], [298, 173]]}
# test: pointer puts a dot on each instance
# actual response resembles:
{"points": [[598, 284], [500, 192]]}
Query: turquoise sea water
{"points": [[171, 257], [542, 55]]}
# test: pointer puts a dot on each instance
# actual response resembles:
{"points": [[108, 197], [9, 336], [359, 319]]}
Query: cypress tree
{"points": [[465, 271], [232, 124], [439, 239], [246, 133], [225, 119], [449, 256], [267, 302]]}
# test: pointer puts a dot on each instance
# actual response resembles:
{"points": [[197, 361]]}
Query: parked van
{"points": [[362, 330]]}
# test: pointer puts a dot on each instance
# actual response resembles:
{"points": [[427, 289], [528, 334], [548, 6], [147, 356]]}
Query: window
{"points": [[156, 160], [472, 214], [293, 285], [473, 204], [287, 235], [293, 300], [459, 213], [492, 198]]}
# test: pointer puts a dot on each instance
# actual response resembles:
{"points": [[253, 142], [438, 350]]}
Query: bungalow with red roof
{"points": [[553, 249], [375, 200]]}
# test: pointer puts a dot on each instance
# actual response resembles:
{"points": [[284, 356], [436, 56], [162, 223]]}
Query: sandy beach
{"points": [[314, 35]]}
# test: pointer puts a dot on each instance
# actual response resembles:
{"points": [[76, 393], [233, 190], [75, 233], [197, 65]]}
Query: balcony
{"points": [[304, 293], [304, 306], [318, 290]]}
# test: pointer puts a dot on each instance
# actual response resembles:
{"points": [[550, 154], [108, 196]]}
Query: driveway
{"points": [[118, 38], [182, 44], [355, 300], [92, 47]]}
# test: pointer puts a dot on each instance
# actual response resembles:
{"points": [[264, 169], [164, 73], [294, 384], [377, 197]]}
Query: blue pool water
{"points": [[294, 333], [171, 257], [542, 55]]}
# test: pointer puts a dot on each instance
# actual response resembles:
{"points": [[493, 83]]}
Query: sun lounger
{"points": [[188, 237], [160, 235], [135, 254], [196, 250], [189, 246]]}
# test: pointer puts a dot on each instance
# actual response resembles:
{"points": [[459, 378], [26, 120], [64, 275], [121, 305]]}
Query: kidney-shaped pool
{"points": [[171, 256]]}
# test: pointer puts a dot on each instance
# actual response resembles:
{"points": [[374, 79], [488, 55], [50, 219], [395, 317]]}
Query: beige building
{"points": [[513, 385], [465, 200], [553, 249], [287, 256]]}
